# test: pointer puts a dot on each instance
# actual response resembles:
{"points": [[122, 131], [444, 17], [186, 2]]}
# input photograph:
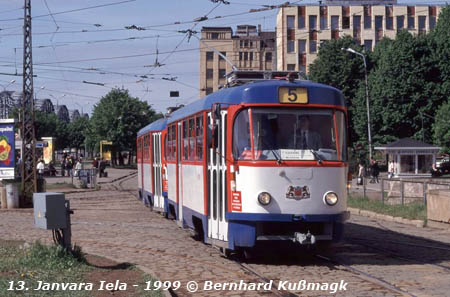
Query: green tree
{"points": [[441, 131], [440, 38], [402, 87], [117, 118], [77, 132], [340, 69], [48, 125]]}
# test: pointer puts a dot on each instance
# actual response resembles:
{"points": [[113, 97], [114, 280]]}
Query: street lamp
{"points": [[350, 50], [10, 83]]}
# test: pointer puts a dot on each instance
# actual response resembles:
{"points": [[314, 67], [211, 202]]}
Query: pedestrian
{"points": [[63, 166], [78, 167], [95, 163], [101, 168], [40, 168], [361, 174], [375, 171], [69, 166], [391, 169]]}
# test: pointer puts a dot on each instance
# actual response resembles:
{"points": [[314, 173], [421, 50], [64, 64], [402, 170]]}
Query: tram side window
{"points": [[185, 141], [192, 139], [241, 135], [342, 134], [199, 134], [174, 142]]}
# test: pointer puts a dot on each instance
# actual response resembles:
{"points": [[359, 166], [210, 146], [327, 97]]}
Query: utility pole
{"points": [[29, 185]]}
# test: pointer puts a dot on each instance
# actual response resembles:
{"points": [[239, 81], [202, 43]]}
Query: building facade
{"points": [[301, 29], [248, 48]]}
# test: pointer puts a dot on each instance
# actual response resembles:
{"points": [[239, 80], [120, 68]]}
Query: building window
{"points": [[313, 22], [334, 22], [290, 22], [389, 18], [432, 22], [345, 17], [302, 46], [323, 17], [389, 23], [367, 17], [245, 56], [268, 57], [411, 21], [378, 22], [301, 17], [214, 35], [240, 56], [312, 46], [400, 22], [251, 56], [290, 46], [301, 22], [209, 73], [356, 22], [422, 22], [290, 67], [368, 45], [222, 73], [209, 56], [432, 11], [224, 54]]}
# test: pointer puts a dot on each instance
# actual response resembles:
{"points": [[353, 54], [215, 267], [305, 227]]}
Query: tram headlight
{"points": [[330, 198], [264, 198]]}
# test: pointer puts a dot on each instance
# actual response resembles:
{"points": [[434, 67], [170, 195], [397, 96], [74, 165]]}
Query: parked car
{"points": [[444, 166], [442, 160]]}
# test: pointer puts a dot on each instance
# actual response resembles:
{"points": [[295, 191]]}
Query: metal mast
{"points": [[28, 133]]}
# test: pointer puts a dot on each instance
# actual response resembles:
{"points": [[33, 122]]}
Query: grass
{"points": [[413, 211], [39, 263], [59, 185], [29, 264]]}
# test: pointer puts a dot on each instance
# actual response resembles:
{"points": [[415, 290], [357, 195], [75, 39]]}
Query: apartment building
{"points": [[301, 29], [249, 48]]}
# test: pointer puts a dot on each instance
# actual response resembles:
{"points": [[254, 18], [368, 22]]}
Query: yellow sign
{"points": [[293, 95]]}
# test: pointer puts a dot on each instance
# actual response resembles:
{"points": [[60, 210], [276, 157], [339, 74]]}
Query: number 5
{"points": [[292, 92]]}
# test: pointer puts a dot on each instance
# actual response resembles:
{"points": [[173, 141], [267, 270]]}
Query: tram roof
{"points": [[157, 125], [260, 92]]}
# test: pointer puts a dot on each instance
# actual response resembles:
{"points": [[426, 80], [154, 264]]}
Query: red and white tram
{"points": [[265, 160]]}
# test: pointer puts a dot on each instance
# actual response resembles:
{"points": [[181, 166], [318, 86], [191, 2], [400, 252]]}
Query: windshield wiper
{"points": [[273, 152], [316, 155]]}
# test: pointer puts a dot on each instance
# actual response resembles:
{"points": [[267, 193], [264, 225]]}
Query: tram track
{"points": [[395, 255], [367, 276]]}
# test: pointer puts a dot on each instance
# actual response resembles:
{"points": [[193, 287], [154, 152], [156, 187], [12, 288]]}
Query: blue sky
{"points": [[95, 50]]}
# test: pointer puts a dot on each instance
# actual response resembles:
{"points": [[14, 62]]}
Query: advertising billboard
{"points": [[7, 149]]}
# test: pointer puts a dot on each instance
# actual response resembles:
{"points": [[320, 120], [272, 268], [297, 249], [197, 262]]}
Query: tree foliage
{"points": [[402, 89], [340, 69], [78, 131], [441, 131], [118, 117], [48, 125]]}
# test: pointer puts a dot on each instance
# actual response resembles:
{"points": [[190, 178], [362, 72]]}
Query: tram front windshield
{"points": [[289, 134]]}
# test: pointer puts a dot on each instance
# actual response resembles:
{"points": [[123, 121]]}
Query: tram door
{"points": [[157, 179], [179, 178], [217, 191]]}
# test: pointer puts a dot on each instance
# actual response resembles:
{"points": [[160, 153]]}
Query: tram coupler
{"points": [[304, 239]]}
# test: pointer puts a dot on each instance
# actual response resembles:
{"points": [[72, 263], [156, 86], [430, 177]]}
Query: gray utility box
{"points": [[50, 210]]}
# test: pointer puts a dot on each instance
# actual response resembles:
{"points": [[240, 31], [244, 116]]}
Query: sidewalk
{"points": [[113, 174]]}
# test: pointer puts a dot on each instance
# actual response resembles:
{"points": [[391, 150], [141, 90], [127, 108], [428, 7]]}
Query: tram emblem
{"points": [[298, 192]]}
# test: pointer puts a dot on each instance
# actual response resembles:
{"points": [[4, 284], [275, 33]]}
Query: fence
{"points": [[407, 190], [87, 177]]}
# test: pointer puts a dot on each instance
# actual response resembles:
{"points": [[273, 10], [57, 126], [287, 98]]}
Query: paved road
{"points": [[114, 224]]}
